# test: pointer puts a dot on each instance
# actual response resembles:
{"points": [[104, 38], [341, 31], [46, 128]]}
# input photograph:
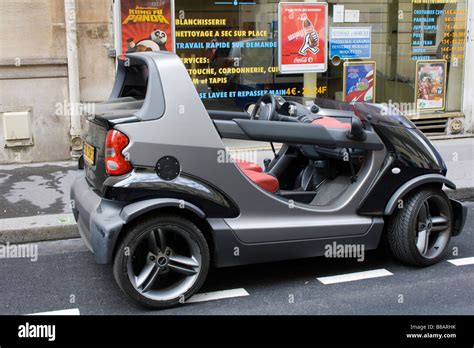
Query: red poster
{"points": [[302, 44], [147, 25]]}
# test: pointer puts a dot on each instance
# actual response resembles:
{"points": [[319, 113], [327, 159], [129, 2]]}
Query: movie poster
{"points": [[302, 39], [359, 82], [430, 89], [147, 25]]}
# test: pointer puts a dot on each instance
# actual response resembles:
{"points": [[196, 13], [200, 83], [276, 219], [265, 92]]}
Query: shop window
{"points": [[243, 58]]}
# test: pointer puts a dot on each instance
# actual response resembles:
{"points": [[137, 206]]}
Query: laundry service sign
{"points": [[350, 43]]}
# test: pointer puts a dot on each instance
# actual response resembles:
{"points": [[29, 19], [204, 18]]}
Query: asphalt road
{"points": [[65, 277]]}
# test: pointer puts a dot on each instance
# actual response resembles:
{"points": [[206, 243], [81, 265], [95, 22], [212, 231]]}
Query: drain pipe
{"points": [[73, 78], [468, 103]]}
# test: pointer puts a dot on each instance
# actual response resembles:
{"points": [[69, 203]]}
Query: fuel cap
{"points": [[168, 168]]}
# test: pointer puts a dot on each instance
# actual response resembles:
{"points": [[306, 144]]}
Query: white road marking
{"points": [[217, 295], [72, 311], [349, 277], [462, 262]]}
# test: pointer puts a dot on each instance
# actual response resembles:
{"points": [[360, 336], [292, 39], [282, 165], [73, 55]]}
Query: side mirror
{"points": [[357, 131]]}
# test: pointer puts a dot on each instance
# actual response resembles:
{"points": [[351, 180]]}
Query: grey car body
{"points": [[243, 223]]}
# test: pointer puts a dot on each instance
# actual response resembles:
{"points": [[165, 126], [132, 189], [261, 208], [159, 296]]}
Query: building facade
{"points": [[35, 124], [422, 51]]}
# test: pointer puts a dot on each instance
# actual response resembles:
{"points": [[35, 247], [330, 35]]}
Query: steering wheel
{"points": [[265, 108]]}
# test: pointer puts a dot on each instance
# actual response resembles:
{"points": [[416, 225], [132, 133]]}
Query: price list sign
{"points": [[428, 22]]}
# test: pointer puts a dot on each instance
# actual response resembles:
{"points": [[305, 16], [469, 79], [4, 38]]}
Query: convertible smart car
{"points": [[158, 201]]}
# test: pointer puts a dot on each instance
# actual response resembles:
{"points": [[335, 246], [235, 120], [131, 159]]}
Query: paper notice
{"points": [[338, 14], [352, 16]]}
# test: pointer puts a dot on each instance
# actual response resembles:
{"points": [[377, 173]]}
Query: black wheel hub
{"points": [[162, 261]]}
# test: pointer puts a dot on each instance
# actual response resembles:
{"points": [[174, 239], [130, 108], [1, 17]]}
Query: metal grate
{"points": [[432, 126]]}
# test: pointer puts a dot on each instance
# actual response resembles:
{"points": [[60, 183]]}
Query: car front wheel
{"points": [[162, 261], [420, 231]]}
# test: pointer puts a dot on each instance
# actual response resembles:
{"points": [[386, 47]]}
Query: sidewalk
{"points": [[459, 157], [34, 198], [34, 202]]}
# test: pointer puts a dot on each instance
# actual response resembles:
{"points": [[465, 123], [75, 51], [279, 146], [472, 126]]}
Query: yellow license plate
{"points": [[89, 153]]}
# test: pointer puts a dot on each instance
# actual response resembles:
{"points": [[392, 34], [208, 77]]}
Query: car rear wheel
{"points": [[162, 261], [420, 231]]}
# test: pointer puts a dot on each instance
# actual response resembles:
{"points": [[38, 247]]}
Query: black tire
{"points": [[402, 228], [137, 234]]}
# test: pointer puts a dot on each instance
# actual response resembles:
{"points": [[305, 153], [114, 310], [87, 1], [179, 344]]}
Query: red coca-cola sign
{"points": [[302, 37]]}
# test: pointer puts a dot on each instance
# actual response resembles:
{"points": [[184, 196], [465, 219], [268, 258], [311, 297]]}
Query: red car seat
{"points": [[330, 122], [246, 165], [255, 173], [265, 181]]}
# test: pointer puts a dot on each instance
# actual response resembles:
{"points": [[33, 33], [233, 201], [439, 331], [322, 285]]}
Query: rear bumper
{"points": [[459, 216], [98, 219]]}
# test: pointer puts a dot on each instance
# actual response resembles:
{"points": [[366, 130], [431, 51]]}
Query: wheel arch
{"points": [[133, 215], [134, 210], [416, 183]]}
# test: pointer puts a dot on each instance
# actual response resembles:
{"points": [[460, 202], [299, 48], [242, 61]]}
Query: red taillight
{"points": [[115, 161]]}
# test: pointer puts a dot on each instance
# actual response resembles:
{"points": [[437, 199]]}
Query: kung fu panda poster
{"points": [[147, 25]]}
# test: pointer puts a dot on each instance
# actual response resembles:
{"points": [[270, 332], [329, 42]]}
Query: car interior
{"points": [[306, 173]]}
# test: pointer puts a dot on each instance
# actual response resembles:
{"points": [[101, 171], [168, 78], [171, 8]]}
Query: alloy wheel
{"points": [[432, 227], [164, 263]]}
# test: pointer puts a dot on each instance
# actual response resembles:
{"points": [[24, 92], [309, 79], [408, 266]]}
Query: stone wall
{"points": [[33, 70]]}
